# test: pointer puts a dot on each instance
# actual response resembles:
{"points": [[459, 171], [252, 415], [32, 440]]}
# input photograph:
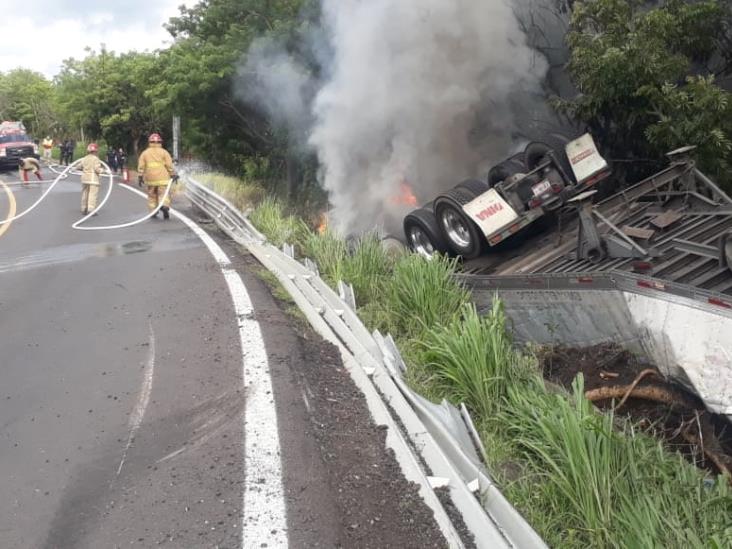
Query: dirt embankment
{"points": [[615, 378]]}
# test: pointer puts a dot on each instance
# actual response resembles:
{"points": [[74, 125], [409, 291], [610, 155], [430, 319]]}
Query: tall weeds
{"points": [[423, 294], [270, 219], [244, 195], [471, 359], [584, 478], [607, 483]]}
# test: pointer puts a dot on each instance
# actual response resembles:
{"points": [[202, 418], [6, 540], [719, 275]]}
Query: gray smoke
{"points": [[272, 79], [427, 92], [412, 82]]}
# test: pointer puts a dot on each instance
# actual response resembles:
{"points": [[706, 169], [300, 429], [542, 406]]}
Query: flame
{"points": [[406, 196], [322, 223]]}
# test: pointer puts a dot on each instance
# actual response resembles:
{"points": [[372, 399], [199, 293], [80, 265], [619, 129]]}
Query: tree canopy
{"points": [[29, 97], [647, 75], [647, 78]]}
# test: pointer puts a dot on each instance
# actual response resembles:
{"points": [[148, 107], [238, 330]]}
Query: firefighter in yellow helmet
{"points": [[155, 169], [91, 168]]}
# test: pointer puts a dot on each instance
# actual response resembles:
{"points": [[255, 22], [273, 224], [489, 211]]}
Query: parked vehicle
{"points": [[15, 143]]}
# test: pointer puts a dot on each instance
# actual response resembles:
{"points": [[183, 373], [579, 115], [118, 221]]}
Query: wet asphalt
{"points": [[91, 322], [86, 320]]}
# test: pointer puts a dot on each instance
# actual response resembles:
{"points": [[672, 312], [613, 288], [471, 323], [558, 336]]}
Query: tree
{"points": [[198, 81], [109, 96], [698, 112], [645, 80], [28, 96]]}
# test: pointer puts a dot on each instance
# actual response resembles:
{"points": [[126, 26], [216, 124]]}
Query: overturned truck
{"points": [[649, 267]]}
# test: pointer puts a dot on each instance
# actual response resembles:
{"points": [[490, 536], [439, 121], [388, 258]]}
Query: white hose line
{"points": [[64, 174], [52, 167], [123, 225], [42, 197]]}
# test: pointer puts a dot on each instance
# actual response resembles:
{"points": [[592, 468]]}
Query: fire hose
{"points": [[63, 175]]}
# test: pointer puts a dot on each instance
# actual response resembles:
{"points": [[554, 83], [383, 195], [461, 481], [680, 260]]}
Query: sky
{"points": [[40, 34]]}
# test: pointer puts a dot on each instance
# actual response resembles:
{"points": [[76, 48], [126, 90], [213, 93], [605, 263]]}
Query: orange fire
{"points": [[405, 197], [322, 223]]}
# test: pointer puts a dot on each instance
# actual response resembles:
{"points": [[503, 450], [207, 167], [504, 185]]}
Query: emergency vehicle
{"points": [[15, 143]]}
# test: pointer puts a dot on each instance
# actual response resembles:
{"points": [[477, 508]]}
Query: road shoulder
{"points": [[344, 487]]}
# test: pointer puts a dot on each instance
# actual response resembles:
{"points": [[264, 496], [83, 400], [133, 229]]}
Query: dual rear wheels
{"points": [[443, 227]]}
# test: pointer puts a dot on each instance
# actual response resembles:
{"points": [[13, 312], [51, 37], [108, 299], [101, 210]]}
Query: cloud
{"points": [[40, 34]]}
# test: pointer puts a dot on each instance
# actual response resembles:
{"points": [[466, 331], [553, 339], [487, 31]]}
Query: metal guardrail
{"points": [[441, 437]]}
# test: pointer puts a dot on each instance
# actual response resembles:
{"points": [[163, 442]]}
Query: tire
{"points": [[458, 230], [422, 233], [497, 174], [506, 169], [393, 246], [516, 163], [536, 151], [475, 186]]}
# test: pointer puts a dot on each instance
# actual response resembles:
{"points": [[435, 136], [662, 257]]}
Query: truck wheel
{"points": [[497, 174], [422, 233], [392, 246], [461, 233], [516, 163], [475, 186], [537, 151], [500, 172]]}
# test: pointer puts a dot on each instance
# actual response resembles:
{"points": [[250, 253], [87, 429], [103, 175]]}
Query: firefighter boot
{"points": [[166, 212]]}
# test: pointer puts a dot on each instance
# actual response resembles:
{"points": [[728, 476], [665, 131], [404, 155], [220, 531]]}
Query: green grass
{"points": [[581, 477], [604, 483], [423, 294], [279, 228], [367, 268], [329, 251], [472, 359], [241, 194]]}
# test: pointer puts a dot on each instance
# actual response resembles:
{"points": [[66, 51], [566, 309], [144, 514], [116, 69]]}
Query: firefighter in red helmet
{"points": [[91, 168], [155, 169]]}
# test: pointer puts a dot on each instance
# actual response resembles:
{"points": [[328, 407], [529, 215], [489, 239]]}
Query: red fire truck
{"points": [[14, 144]]}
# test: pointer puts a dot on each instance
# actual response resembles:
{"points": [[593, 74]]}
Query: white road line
{"points": [[264, 519], [143, 399]]}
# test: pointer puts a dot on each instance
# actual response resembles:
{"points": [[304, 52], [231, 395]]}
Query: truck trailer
{"points": [[648, 267]]}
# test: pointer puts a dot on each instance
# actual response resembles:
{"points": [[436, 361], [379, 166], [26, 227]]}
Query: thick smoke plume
{"points": [[427, 92]]}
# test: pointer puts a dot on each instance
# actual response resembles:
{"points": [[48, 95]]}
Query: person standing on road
{"points": [[65, 152], [62, 152], [70, 151], [112, 159], [47, 148], [29, 164], [155, 169], [121, 159], [91, 168]]}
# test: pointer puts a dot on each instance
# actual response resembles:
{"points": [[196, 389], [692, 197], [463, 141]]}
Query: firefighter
{"points": [[155, 168], [29, 164], [47, 148], [91, 168]]}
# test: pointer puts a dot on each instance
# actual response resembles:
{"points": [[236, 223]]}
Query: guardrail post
{"points": [[345, 291], [311, 266]]}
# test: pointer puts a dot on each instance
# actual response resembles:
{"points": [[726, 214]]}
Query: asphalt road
{"points": [[126, 391], [84, 318]]}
